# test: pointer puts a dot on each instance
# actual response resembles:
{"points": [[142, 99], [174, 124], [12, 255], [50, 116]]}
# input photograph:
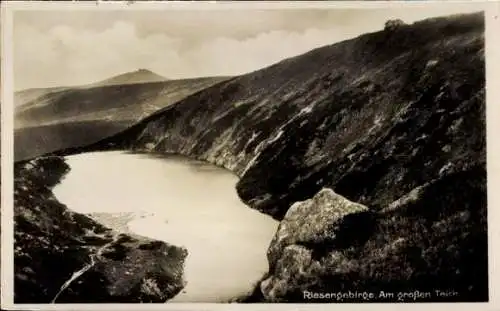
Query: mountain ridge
{"points": [[54, 120], [135, 75]]}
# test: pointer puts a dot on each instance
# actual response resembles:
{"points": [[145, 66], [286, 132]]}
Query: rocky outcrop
{"points": [[392, 120], [311, 230], [65, 257], [431, 241], [314, 221]]}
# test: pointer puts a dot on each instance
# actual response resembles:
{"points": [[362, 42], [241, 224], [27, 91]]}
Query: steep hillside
{"points": [[393, 120], [50, 121], [351, 116]]}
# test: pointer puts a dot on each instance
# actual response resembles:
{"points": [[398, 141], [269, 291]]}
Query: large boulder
{"points": [[310, 230], [431, 241]]}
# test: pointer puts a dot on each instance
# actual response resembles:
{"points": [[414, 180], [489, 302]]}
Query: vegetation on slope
{"points": [[375, 119], [49, 121], [387, 110], [51, 243], [393, 120]]}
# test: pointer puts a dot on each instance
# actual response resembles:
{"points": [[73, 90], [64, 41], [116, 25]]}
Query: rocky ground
{"points": [[432, 239], [371, 152], [53, 243]]}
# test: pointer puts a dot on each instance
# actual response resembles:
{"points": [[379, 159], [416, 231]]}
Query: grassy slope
{"points": [[23, 97], [361, 116], [55, 120]]}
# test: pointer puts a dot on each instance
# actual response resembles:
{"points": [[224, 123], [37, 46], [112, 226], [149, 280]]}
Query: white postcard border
{"points": [[492, 52]]}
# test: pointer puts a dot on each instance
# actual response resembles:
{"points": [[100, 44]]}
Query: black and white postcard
{"points": [[283, 155]]}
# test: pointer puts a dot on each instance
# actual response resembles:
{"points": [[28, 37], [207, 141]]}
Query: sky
{"points": [[63, 48]]}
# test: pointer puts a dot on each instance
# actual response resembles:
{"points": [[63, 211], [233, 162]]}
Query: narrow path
{"points": [[87, 267]]}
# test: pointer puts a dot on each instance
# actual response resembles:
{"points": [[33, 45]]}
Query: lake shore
{"points": [[180, 201]]}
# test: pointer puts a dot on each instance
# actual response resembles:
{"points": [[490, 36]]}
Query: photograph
{"points": [[245, 154]]}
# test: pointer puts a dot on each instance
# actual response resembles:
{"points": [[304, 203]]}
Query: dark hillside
{"points": [[99, 111], [362, 116]]}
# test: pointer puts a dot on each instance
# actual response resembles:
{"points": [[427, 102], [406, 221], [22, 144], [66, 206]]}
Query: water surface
{"points": [[180, 201]]}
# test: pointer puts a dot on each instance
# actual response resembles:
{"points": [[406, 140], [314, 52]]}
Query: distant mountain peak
{"points": [[142, 70], [140, 75]]}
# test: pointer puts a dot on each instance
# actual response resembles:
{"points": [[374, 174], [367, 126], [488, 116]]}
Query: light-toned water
{"points": [[182, 202]]}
